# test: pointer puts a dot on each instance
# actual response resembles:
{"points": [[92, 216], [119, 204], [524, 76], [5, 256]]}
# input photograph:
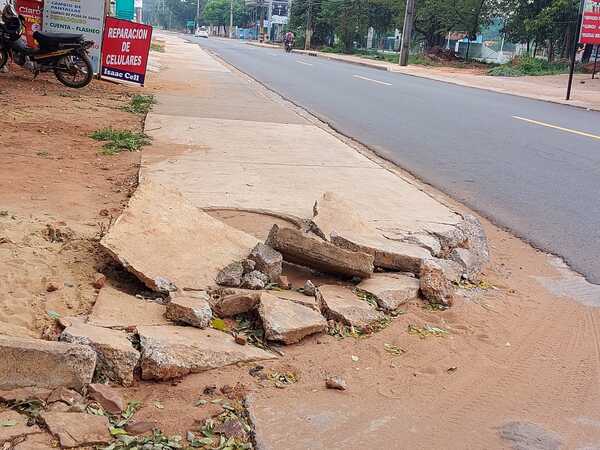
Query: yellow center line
{"points": [[556, 127]]}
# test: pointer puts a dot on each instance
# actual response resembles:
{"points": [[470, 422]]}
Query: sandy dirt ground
{"points": [[53, 177]]}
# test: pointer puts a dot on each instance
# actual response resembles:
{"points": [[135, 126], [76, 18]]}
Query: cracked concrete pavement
{"points": [[226, 142]]}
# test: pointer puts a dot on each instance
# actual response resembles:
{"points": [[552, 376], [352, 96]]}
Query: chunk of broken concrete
{"points": [[231, 274], [16, 427], [116, 356], [340, 303], [171, 352], [64, 395], [268, 261], [231, 302], [434, 285], [297, 297], [160, 234], [391, 289], [117, 309], [304, 249], [336, 220], [34, 362], [77, 429], [336, 383], [107, 397], [309, 288], [453, 271], [194, 311], [470, 264], [27, 393], [255, 280], [287, 321], [476, 240]]}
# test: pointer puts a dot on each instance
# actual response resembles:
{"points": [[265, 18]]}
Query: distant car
{"points": [[201, 32]]}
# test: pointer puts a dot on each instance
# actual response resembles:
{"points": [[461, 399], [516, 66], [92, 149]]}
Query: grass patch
{"points": [[140, 104], [157, 46], [116, 141], [528, 65]]}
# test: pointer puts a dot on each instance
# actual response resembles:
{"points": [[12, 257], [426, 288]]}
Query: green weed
{"points": [[117, 141], [140, 104]]}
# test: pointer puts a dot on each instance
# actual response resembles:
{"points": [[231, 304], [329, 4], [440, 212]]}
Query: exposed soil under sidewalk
{"points": [[52, 172]]}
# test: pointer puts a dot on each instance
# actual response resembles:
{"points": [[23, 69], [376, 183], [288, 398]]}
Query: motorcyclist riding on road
{"points": [[288, 41]]}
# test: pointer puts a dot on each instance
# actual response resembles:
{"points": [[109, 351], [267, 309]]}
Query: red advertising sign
{"points": [[31, 10], [590, 23], [125, 48]]}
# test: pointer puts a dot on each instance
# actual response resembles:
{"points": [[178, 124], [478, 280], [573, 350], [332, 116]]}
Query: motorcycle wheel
{"points": [[3, 57], [74, 70]]}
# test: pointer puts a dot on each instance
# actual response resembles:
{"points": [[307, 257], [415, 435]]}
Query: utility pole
{"points": [[262, 21], [409, 17], [308, 32], [230, 19], [197, 14], [575, 45]]}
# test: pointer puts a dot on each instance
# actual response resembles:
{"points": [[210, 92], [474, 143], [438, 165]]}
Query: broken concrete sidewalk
{"points": [[341, 304], [190, 310], [116, 356], [77, 429], [301, 248], [391, 289], [288, 322], [337, 221], [171, 351], [164, 240], [34, 362], [117, 309]]}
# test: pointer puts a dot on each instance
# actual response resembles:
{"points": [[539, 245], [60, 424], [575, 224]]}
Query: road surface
{"points": [[530, 166]]}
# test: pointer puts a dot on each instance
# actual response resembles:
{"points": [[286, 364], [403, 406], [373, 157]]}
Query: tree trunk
{"points": [[550, 50]]}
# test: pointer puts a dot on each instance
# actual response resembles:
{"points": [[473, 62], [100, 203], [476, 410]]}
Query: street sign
{"points": [[125, 48], [590, 23]]}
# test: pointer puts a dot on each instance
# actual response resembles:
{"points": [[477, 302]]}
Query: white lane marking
{"points": [[370, 79], [305, 63], [556, 127]]}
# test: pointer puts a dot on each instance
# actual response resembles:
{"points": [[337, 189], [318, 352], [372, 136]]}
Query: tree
{"points": [[216, 12]]}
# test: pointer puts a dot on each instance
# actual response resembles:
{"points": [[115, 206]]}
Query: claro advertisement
{"points": [[125, 48]]}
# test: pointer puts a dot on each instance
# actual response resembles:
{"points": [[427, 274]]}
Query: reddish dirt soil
{"points": [[52, 172]]}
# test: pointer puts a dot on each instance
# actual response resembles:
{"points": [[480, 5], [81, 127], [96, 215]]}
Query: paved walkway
{"points": [[226, 142]]}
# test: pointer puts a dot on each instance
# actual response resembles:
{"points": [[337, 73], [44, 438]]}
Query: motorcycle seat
{"points": [[57, 38]]}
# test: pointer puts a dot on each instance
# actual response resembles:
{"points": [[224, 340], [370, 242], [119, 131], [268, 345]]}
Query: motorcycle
{"points": [[61, 53], [289, 45]]}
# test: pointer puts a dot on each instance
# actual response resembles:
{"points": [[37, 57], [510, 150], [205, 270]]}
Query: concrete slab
{"points": [[171, 351], [162, 238], [282, 168], [287, 321], [117, 309]]}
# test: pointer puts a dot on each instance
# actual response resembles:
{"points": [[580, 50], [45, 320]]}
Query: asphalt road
{"points": [[493, 152]]}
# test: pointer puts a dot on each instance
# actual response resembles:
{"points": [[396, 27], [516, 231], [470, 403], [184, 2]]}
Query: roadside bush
{"points": [[528, 65]]}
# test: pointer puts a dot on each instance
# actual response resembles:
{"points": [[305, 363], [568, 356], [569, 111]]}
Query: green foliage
{"points": [[216, 12], [527, 65], [118, 140], [140, 104]]}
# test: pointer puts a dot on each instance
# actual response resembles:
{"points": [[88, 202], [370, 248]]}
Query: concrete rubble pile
{"points": [[207, 274]]}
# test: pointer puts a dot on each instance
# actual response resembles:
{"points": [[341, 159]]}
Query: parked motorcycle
{"points": [[61, 53]]}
